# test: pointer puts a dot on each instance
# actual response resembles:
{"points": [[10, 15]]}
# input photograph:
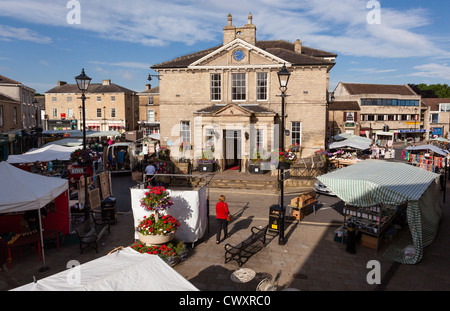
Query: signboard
{"points": [[63, 116]]}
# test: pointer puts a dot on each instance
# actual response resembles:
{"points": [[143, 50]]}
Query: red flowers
{"points": [[164, 225]]}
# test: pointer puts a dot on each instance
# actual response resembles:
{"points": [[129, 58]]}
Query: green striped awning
{"points": [[372, 182]]}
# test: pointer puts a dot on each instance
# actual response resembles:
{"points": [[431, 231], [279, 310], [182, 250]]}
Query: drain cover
{"points": [[243, 275]]}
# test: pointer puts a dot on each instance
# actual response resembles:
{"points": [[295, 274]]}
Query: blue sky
{"points": [[120, 40]]}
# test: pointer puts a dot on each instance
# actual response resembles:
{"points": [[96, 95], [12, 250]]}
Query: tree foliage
{"points": [[432, 90]]}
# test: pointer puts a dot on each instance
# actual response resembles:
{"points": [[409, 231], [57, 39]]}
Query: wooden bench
{"points": [[91, 231], [246, 248]]}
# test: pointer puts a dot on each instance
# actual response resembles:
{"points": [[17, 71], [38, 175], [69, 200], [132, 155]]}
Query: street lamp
{"points": [[83, 83], [283, 79]]}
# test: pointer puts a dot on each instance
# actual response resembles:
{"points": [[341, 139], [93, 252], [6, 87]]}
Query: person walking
{"points": [[222, 216]]}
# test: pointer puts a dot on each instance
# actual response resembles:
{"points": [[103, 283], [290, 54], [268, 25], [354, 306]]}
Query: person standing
{"points": [[222, 214], [150, 173]]}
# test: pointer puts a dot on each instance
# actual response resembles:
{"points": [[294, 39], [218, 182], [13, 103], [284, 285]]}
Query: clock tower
{"points": [[246, 33]]}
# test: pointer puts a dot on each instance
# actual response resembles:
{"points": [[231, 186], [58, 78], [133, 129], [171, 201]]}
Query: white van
{"points": [[120, 157]]}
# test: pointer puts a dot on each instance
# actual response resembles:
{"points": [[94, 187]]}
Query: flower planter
{"points": [[258, 168], [206, 167], [156, 239]]}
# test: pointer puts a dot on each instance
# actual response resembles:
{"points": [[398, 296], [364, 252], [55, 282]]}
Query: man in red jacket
{"points": [[222, 214]]}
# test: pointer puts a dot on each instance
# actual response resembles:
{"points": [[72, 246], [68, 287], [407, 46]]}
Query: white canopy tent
{"points": [[23, 191], [123, 270], [44, 154], [349, 144]]}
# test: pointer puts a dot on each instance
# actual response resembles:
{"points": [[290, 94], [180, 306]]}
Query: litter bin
{"points": [[109, 210], [274, 218]]}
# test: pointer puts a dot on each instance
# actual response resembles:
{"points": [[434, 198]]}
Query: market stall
{"points": [[373, 183], [429, 157], [44, 154], [21, 192], [123, 270]]}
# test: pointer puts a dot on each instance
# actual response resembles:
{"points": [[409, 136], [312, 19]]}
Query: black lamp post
{"points": [[83, 83], [283, 79]]}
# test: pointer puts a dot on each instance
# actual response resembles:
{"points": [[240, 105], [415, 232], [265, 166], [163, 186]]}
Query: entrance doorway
{"points": [[232, 149]]}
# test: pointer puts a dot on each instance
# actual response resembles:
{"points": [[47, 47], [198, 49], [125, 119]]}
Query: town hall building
{"points": [[226, 99]]}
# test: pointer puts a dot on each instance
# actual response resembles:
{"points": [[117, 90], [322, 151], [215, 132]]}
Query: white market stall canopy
{"points": [[351, 137], [66, 142], [349, 144], [372, 182], [123, 270], [23, 191], [433, 148], [44, 154]]}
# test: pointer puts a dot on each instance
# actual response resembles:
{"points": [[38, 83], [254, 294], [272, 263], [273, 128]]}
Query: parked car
{"points": [[322, 189]]}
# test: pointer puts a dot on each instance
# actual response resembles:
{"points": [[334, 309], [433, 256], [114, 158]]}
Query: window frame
{"points": [[215, 87], [262, 88], [294, 131], [238, 84]]}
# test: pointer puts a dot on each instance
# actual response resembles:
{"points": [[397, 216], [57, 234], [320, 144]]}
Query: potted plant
{"points": [[257, 164], [296, 149], [157, 228], [284, 159], [207, 162], [83, 156], [171, 253]]}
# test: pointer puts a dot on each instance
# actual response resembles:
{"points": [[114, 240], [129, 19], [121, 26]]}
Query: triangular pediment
{"points": [[238, 53], [232, 110]]}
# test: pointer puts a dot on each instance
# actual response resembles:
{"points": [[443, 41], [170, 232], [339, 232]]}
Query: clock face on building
{"points": [[238, 55]]}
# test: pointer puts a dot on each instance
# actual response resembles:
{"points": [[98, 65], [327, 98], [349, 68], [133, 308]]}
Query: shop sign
{"points": [[349, 124]]}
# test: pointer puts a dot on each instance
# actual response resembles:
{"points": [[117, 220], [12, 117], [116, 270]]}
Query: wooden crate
{"points": [[369, 241], [304, 200]]}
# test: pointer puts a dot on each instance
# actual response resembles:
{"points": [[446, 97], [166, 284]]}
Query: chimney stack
{"points": [[61, 83], [106, 82], [148, 87], [298, 46]]}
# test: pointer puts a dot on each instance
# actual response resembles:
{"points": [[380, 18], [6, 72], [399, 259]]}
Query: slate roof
{"points": [[344, 105], [433, 103], [360, 88], [280, 48], [6, 80], [93, 88]]}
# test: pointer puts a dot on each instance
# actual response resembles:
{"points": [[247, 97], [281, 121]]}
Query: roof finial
{"points": [[230, 19], [250, 16]]}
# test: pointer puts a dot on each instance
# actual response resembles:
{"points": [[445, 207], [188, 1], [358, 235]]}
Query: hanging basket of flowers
{"points": [[284, 159], [83, 156]]}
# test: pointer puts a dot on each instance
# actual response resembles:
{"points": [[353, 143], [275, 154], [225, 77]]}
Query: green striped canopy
{"points": [[372, 182]]}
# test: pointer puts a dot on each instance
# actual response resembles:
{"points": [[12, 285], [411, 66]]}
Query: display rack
{"points": [[370, 221]]}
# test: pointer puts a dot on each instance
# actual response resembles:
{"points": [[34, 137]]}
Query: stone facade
{"points": [[9, 114], [109, 107], [149, 114], [233, 90], [29, 113]]}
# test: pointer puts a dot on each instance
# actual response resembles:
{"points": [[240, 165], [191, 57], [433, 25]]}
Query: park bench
{"points": [[91, 231], [248, 247]]}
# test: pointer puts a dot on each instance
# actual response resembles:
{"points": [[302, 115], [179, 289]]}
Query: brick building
{"points": [[226, 98], [149, 116]]}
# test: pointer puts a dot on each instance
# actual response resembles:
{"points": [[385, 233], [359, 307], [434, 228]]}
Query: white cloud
{"points": [[338, 26], [134, 65], [433, 70], [8, 33]]}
